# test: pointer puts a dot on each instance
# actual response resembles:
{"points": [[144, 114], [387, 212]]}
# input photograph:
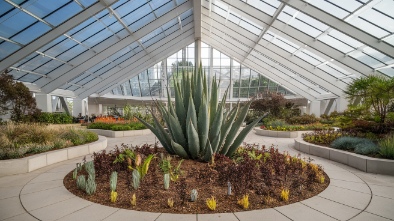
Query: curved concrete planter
{"points": [[361, 162], [124, 133], [31, 163], [273, 133]]}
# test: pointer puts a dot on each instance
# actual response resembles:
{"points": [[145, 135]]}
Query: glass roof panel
{"points": [[34, 63], [263, 6], [14, 22], [29, 78], [377, 55], [72, 52], [41, 8], [368, 27], [388, 71], [137, 14], [142, 22], [331, 7], [364, 58], [335, 43], [48, 67], [31, 33], [165, 8], [129, 7], [59, 48], [87, 3], [63, 13], [7, 48], [4, 7]]}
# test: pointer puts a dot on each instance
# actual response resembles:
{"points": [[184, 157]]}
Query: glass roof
{"points": [[287, 44]]}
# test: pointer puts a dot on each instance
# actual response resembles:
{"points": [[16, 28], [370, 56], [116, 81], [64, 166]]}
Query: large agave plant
{"points": [[198, 124]]}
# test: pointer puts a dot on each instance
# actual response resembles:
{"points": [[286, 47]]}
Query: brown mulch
{"points": [[152, 197]]}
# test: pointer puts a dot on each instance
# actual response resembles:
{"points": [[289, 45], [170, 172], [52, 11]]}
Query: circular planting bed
{"points": [[262, 175]]}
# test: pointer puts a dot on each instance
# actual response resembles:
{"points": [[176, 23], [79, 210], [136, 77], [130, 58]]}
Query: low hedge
{"points": [[117, 126], [55, 118]]}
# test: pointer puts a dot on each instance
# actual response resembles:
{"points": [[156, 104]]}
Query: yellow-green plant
{"points": [[211, 203], [321, 179], [170, 202], [244, 202], [114, 196], [284, 195], [142, 168], [198, 125], [133, 200]]}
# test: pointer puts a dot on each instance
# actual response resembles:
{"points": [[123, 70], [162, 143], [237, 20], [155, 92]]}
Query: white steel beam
{"points": [[29, 72], [166, 46], [274, 17], [341, 26], [293, 62], [294, 35], [268, 71], [105, 49], [197, 19], [52, 34]]}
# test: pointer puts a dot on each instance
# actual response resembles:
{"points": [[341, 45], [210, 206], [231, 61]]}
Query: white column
{"points": [[100, 107], [79, 107], [44, 102], [314, 108], [197, 52], [342, 103]]}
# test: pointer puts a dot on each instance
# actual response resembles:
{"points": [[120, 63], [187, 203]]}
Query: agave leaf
{"points": [[193, 141], [191, 112], [178, 149], [215, 143], [203, 123], [226, 128], [235, 127], [241, 136], [213, 105], [216, 124], [198, 90], [180, 108], [208, 152], [176, 130]]}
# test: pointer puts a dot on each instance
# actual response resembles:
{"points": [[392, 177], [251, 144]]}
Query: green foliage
{"points": [[113, 181], [81, 182], [322, 137], [387, 147], [143, 169], [78, 137], [54, 118], [136, 179], [377, 93], [16, 99], [117, 126], [89, 168], [166, 181], [303, 119], [198, 123], [16, 140], [316, 126], [75, 173], [127, 112], [127, 153], [90, 185], [358, 145]]}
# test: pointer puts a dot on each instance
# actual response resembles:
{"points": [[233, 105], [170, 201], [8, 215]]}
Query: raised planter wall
{"points": [[361, 162], [37, 161], [273, 133], [125, 133]]}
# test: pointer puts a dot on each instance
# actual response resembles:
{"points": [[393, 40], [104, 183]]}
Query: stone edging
{"points": [[273, 133], [361, 162], [34, 162], [123, 133]]}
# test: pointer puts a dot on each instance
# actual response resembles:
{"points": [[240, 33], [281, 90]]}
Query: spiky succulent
{"points": [[198, 124]]}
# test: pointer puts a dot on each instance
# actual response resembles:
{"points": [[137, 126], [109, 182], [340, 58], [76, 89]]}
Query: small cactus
{"points": [[133, 200], [194, 195], [75, 173], [81, 182], [211, 203], [284, 195], [89, 167], [114, 196], [228, 188], [136, 179], [170, 202], [244, 202], [166, 181], [90, 185], [113, 181]]}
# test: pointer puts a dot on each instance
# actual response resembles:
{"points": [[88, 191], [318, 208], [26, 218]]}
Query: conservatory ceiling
{"points": [[313, 48]]}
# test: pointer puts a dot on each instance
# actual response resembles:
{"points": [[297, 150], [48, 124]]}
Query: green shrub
{"points": [[366, 147], [387, 147], [120, 127], [276, 123], [322, 137], [54, 118], [359, 145], [303, 119]]}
